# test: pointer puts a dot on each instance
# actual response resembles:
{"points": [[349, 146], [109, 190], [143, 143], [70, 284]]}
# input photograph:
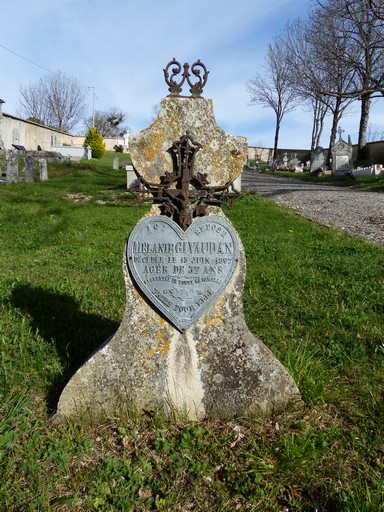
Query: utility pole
{"points": [[93, 105]]}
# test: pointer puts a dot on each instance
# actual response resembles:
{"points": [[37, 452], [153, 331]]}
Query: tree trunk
{"points": [[335, 122], [362, 152], [277, 130], [318, 125]]}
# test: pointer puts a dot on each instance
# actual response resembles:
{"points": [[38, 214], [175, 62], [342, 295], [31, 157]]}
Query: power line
{"points": [[53, 73], [28, 60]]}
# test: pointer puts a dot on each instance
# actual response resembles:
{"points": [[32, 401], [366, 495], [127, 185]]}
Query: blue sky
{"points": [[120, 50]]}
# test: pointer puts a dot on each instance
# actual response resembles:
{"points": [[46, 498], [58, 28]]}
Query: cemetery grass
{"points": [[313, 295]]}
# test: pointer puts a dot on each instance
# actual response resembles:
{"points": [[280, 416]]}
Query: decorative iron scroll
{"points": [[183, 194], [175, 85]]}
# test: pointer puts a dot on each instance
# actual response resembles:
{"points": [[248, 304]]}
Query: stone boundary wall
{"points": [[14, 130], [264, 154], [375, 153]]}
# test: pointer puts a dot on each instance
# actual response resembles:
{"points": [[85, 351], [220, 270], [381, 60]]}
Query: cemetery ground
{"points": [[315, 296]]}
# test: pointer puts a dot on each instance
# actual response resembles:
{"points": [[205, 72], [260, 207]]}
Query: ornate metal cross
{"points": [[175, 87], [183, 194]]}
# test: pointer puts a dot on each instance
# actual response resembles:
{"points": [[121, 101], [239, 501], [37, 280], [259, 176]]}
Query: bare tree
{"points": [[272, 89], [57, 100], [109, 123], [317, 70], [155, 112], [360, 24], [319, 111], [375, 132]]}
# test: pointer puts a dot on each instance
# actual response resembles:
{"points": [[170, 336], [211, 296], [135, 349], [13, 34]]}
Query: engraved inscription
{"points": [[182, 272], [342, 163]]}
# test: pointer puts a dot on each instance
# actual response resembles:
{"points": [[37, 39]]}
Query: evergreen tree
{"points": [[95, 141]]}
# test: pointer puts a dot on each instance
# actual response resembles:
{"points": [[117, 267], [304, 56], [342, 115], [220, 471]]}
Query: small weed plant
{"points": [[313, 295]]}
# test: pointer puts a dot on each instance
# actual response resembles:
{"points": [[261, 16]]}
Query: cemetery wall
{"points": [[264, 154], [14, 130], [375, 151], [109, 142]]}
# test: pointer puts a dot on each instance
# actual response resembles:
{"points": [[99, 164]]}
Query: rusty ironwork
{"points": [[175, 82], [181, 193]]}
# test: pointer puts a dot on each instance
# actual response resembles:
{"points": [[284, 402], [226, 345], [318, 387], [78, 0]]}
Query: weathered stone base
{"points": [[217, 367]]}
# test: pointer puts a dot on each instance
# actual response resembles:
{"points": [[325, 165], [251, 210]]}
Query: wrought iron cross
{"points": [[183, 194]]}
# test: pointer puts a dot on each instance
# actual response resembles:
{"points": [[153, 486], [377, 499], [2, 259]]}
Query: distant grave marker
{"points": [[29, 174], [342, 163]]}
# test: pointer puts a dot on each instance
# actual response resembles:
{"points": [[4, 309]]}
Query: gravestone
{"points": [[294, 161], [115, 165], [342, 163], [43, 169], [12, 167], [29, 174], [183, 344], [318, 160]]}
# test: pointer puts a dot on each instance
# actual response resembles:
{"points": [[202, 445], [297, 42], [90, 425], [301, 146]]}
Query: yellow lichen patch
{"points": [[200, 348], [149, 365], [221, 157], [237, 161], [162, 349], [215, 321]]}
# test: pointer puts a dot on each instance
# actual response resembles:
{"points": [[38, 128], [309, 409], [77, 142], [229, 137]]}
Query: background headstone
{"points": [[294, 161], [29, 174], [318, 159], [43, 169], [342, 163], [12, 167]]}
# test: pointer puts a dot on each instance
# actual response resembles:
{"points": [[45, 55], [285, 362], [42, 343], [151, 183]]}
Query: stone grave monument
{"points": [[183, 344], [318, 160], [29, 175], [342, 163], [43, 169], [12, 167], [294, 162]]}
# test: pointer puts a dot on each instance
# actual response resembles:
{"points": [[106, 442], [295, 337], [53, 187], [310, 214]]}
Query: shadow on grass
{"points": [[59, 320]]}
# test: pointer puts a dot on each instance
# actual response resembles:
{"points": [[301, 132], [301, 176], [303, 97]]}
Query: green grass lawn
{"points": [[313, 295]]}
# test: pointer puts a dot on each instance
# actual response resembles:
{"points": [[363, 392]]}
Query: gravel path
{"points": [[356, 212]]}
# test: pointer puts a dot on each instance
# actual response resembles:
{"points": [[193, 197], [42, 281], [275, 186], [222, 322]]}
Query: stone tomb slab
{"points": [[182, 272]]}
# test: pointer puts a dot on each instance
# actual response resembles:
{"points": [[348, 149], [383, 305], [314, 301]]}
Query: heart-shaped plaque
{"points": [[182, 272]]}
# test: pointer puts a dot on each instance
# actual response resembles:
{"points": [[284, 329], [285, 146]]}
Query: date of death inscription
{"points": [[183, 272]]}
